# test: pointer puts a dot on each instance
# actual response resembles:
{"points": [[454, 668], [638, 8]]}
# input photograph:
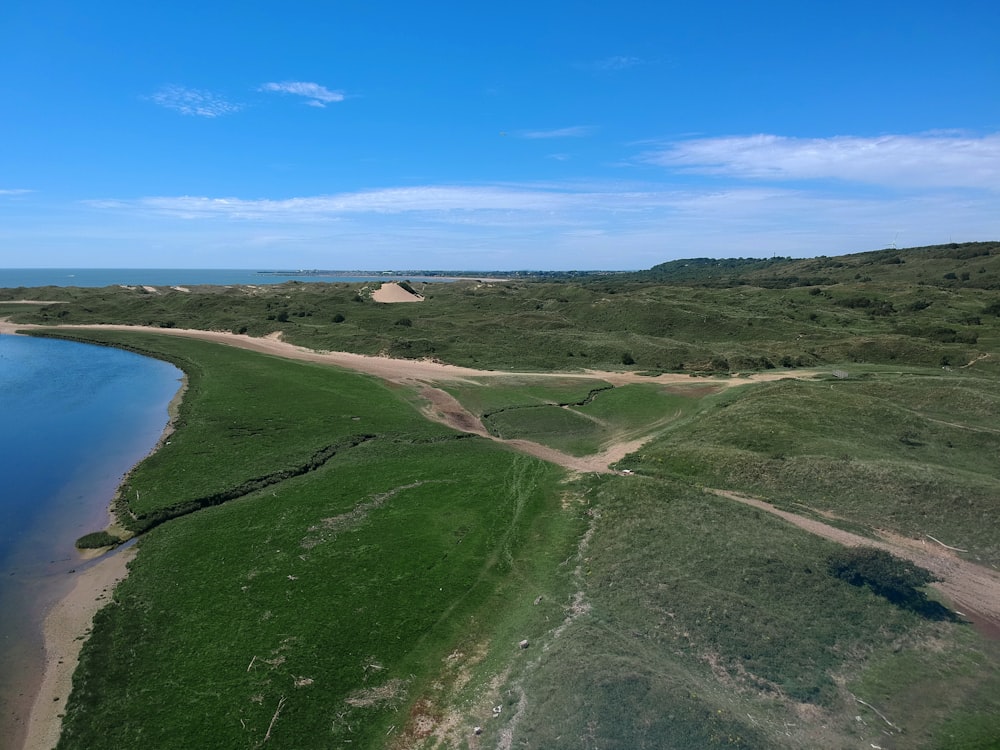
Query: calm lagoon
{"points": [[74, 418]]}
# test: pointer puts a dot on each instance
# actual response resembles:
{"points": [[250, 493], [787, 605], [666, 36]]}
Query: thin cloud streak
{"points": [[194, 102], [432, 200], [570, 225], [619, 209], [930, 160], [318, 96], [576, 131], [614, 62]]}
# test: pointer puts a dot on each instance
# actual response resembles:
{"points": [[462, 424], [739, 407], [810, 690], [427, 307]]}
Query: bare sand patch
{"points": [[392, 292], [68, 620], [32, 302]]}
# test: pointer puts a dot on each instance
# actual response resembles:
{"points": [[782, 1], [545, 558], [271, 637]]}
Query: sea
{"points": [[98, 277], [74, 419]]}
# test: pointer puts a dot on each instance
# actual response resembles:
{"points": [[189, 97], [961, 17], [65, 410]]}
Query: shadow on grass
{"points": [[890, 577]]}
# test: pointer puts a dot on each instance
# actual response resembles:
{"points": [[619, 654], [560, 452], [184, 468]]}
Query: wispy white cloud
{"points": [[15, 191], [194, 102], [576, 131], [563, 225], [318, 96], [614, 62], [424, 199], [928, 160]]}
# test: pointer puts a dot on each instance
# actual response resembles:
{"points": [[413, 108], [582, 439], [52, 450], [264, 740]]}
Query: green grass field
{"points": [[320, 566], [345, 586], [585, 425]]}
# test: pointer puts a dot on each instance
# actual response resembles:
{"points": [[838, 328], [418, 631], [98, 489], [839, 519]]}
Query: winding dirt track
{"points": [[405, 370], [443, 407], [973, 589]]}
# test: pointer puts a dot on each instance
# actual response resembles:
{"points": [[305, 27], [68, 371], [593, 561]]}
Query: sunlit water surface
{"points": [[74, 419]]}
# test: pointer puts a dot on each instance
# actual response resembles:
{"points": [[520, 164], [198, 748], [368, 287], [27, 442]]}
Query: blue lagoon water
{"points": [[74, 418]]}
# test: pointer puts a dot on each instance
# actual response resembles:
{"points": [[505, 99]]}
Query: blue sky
{"points": [[510, 135]]}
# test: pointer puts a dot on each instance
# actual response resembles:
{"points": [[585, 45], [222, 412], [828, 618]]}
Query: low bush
{"points": [[97, 539]]}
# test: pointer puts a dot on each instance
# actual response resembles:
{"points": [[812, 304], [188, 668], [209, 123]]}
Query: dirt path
{"points": [[409, 370], [443, 407], [974, 590]]}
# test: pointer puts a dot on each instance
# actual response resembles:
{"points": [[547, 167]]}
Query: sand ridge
{"points": [[392, 292]]}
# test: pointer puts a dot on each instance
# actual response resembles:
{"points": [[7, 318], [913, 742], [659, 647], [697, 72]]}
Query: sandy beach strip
{"points": [[65, 623]]}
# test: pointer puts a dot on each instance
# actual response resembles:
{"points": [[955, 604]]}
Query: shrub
{"points": [[97, 539]]}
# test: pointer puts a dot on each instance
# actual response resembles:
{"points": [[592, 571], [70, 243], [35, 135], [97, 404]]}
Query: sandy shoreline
{"points": [[65, 623]]}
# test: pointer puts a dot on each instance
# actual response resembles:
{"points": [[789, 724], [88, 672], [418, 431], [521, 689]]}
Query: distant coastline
{"points": [[12, 278]]}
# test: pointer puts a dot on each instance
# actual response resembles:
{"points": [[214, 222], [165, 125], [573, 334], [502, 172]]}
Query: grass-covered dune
{"points": [[319, 565], [915, 453], [867, 308]]}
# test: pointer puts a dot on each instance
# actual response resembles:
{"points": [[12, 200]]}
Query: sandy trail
{"points": [[443, 407], [974, 590], [410, 370]]}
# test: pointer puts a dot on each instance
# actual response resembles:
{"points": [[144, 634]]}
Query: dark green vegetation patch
{"points": [[97, 540]]}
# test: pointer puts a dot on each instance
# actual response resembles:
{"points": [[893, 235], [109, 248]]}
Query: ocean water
{"points": [[74, 418], [96, 277]]}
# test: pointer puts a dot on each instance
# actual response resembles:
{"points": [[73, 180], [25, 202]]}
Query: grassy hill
{"points": [[957, 265], [320, 566], [865, 309]]}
